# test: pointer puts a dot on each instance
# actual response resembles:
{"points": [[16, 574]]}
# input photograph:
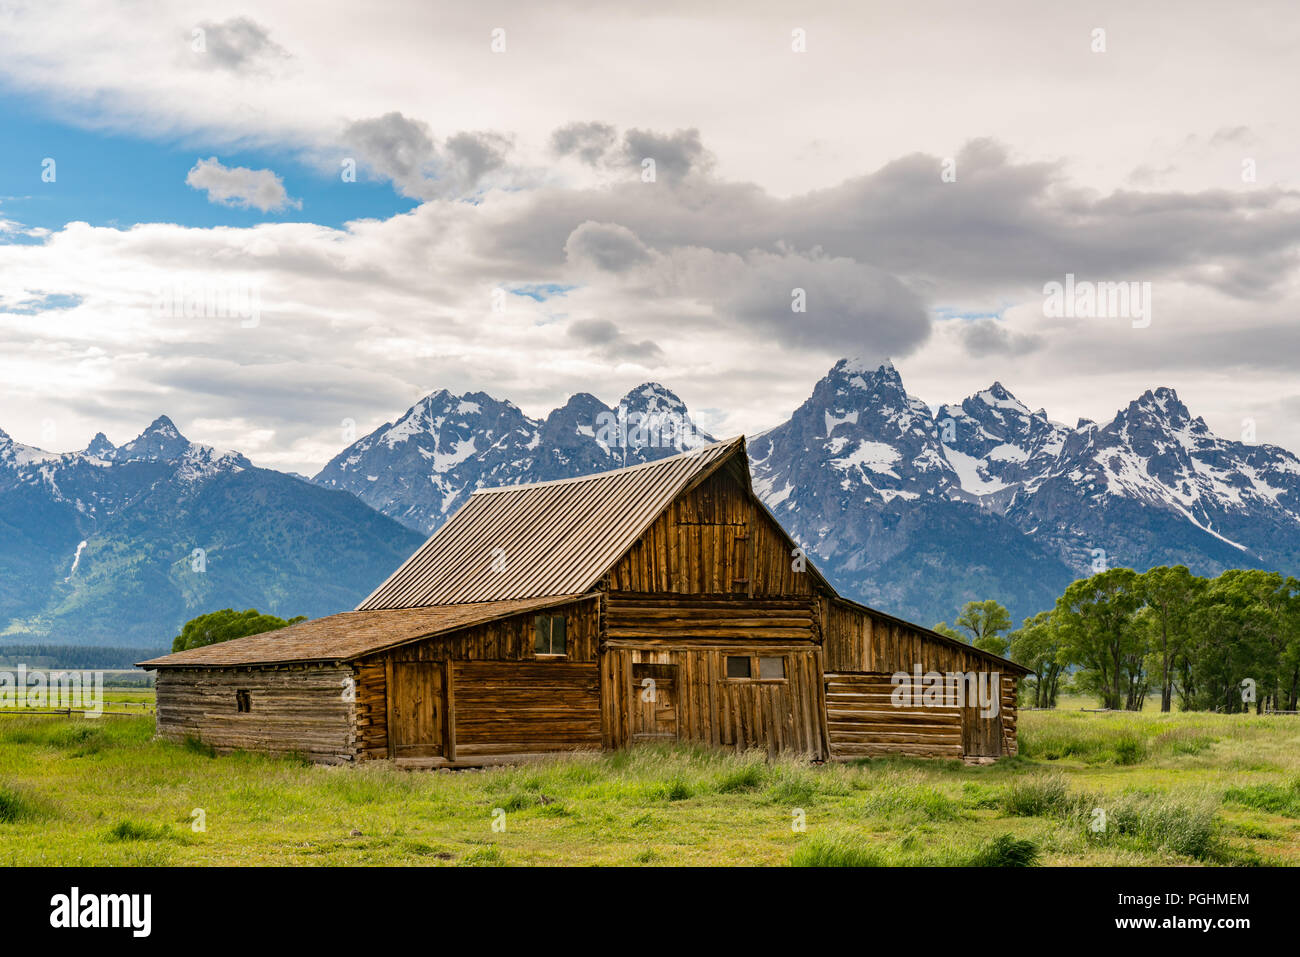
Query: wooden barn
{"points": [[659, 602]]}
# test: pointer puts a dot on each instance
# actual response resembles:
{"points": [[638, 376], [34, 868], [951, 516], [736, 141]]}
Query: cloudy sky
{"points": [[266, 220]]}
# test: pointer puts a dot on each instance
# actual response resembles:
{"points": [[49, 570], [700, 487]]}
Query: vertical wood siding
{"points": [[771, 715], [711, 540]]}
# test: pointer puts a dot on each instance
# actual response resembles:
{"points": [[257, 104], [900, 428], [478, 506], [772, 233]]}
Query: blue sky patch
{"points": [[112, 179]]}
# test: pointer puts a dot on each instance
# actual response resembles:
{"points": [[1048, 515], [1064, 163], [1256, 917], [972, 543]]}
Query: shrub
{"points": [[1005, 851], [135, 831], [17, 806], [1038, 797], [1156, 821], [835, 851], [489, 855]]}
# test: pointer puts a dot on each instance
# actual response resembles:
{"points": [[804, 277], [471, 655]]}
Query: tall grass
{"points": [[1159, 780], [1281, 799], [846, 849], [17, 805]]}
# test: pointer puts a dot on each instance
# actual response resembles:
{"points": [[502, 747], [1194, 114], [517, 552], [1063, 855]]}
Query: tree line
{"points": [[1229, 644]]}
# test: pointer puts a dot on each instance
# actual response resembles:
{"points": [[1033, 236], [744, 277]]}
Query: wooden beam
{"points": [[388, 702], [449, 710]]}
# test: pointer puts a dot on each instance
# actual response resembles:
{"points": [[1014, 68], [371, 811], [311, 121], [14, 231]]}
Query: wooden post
{"points": [[388, 703], [449, 710]]}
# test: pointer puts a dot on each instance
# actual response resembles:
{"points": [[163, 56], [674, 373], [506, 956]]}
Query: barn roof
{"points": [[348, 635], [551, 538]]}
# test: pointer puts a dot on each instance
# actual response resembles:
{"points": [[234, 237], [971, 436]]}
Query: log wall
{"points": [[862, 721], [874, 647], [303, 710]]}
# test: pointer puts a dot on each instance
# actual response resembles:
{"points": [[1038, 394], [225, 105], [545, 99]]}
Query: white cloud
{"points": [[240, 186], [817, 170]]}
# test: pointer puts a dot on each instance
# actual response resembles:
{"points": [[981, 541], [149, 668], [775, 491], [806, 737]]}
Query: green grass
{"points": [[1279, 799], [1123, 789]]}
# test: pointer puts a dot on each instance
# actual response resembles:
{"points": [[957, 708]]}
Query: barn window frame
{"points": [[754, 673], [735, 660], [550, 640], [243, 701]]}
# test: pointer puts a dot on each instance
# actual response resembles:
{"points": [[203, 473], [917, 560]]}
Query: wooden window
{"points": [[548, 635], [756, 667], [243, 701]]}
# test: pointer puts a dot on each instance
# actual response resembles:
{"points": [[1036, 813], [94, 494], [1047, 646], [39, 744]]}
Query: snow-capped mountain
{"points": [[422, 467], [908, 508], [912, 509], [1155, 484], [860, 475], [861, 432], [99, 546], [96, 481], [1049, 502], [995, 443]]}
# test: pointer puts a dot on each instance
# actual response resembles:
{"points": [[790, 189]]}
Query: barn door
{"points": [[980, 737], [416, 702], [654, 702]]}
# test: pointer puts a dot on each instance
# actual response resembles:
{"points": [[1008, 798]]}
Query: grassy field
{"points": [[1174, 789]]}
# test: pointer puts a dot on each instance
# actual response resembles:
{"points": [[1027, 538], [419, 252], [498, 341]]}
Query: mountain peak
{"points": [[856, 372], [652, 394], [1162, 402], [999, 396], [100, 447], [861, 365], [164, 427], [161, 441]]}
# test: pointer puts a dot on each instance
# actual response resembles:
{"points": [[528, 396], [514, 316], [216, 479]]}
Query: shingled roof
{"points": [[348, 635], [551, 538]]}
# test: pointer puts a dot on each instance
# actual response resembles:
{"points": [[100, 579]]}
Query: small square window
{"points": [[243, 701], [738, 667], [549, 635], [771, 667]]}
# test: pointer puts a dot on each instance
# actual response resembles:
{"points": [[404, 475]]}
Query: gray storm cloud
{"points": [[608, 247], [403, 150]]}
